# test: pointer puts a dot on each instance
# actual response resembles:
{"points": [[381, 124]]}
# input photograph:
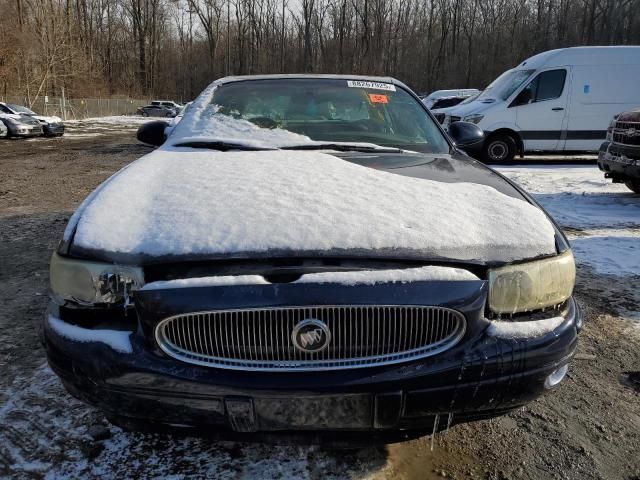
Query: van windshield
{"points": [[507, 83]]}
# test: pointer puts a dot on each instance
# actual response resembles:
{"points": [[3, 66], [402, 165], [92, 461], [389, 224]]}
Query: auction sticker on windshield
{"points": [[373, 85], [377, 98]]}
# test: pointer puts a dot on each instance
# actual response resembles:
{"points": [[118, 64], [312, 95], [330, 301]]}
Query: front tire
{"points": [[633, 185], [499, 149]]}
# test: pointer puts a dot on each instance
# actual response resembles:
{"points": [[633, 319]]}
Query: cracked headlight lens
{"points": [[533, 285], [89, 283]]}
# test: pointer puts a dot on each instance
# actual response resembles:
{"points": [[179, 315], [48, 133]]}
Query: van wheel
{"points": [[499, 149], [633, 185]]}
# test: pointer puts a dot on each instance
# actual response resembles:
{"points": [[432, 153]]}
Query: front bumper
{"points": [[53, 129], [618, 162], [25, 130], [481, 377]]}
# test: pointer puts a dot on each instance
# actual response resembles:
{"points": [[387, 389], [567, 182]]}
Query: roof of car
{"points": [[292, 76]]}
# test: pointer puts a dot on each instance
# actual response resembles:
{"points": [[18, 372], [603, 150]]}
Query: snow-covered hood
{"points": [[42, 118], [174, 204]]}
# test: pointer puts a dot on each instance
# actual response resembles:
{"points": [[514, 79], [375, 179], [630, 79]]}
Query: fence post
{"points": [[63, 106]]}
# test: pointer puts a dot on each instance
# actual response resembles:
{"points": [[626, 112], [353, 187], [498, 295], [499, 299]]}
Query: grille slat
{"points": [[260, 339], [626, 133]]}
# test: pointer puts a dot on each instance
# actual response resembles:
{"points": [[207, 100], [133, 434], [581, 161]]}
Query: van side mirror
{"points": [[467, 136], [152, 133]]}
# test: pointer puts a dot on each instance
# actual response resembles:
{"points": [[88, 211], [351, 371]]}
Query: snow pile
{"points": [[364, 277], [220, 203], [534, 328], [119, 341]]}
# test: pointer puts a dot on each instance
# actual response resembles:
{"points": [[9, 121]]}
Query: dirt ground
{"points": [[588, 429]]}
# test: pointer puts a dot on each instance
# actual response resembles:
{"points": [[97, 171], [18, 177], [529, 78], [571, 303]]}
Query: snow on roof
{"points": [[247, 204], [361, 277]]}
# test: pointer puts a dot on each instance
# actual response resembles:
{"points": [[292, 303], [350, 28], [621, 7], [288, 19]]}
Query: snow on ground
{"points": [[602, 219], [99, 126], [45, 434], [119, 120], [578, 196]]}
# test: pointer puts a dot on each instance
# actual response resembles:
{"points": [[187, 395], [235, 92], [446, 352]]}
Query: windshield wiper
{"points": [[222, 146], [342, 147]]}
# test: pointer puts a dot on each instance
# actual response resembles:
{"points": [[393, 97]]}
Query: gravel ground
{"points": [[589, 428]]}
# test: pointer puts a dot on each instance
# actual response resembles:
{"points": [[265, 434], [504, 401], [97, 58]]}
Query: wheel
{"points": [[499, 149], [633, 185], [145, 114]]}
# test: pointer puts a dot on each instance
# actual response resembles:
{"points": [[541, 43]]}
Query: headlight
{"points": [[88, 283], [475, 118], [533, 285]]}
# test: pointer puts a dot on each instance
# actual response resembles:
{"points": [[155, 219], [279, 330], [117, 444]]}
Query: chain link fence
{"points": [[79, 108]]}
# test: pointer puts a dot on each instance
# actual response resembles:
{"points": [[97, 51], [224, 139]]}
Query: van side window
{"points": [[550, 85], [546, 86]]}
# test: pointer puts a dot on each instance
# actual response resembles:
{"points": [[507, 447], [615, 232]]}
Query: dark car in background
{"points": [[52, 126], [447, 102], [619, 155], [310, 257], [168, 103], [157, 111]]}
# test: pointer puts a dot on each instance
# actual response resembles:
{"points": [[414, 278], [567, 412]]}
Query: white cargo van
{"points": [[560, 100]]}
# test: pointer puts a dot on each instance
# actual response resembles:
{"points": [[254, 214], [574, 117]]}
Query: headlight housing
{"points": [[90, 283], [475, 118], [530, 286]]}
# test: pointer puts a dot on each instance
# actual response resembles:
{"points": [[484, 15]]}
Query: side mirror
{"points": [[467, 136], [152, 133]]}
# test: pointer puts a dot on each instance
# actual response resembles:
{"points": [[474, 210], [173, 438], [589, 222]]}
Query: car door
{"points": [[541, 109]]}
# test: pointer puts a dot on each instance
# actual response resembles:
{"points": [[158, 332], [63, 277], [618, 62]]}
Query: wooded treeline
{"points": [[173, 48]]}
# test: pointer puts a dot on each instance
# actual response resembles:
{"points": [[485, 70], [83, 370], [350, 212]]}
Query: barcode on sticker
{"points": [[372, 85]]}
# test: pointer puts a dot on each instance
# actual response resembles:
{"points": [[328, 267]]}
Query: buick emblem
{"points": [[631, 132], [311, 335]]}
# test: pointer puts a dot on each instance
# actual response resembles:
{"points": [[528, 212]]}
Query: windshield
{"points": [[507, 83], [287, 112], [20, 109]]}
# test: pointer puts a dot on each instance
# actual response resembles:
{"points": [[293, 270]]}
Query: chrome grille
{"points": [[627, 133], [260, 339]]}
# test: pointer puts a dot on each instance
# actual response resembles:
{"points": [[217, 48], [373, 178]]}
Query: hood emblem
{"points": [[311, 335]]}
